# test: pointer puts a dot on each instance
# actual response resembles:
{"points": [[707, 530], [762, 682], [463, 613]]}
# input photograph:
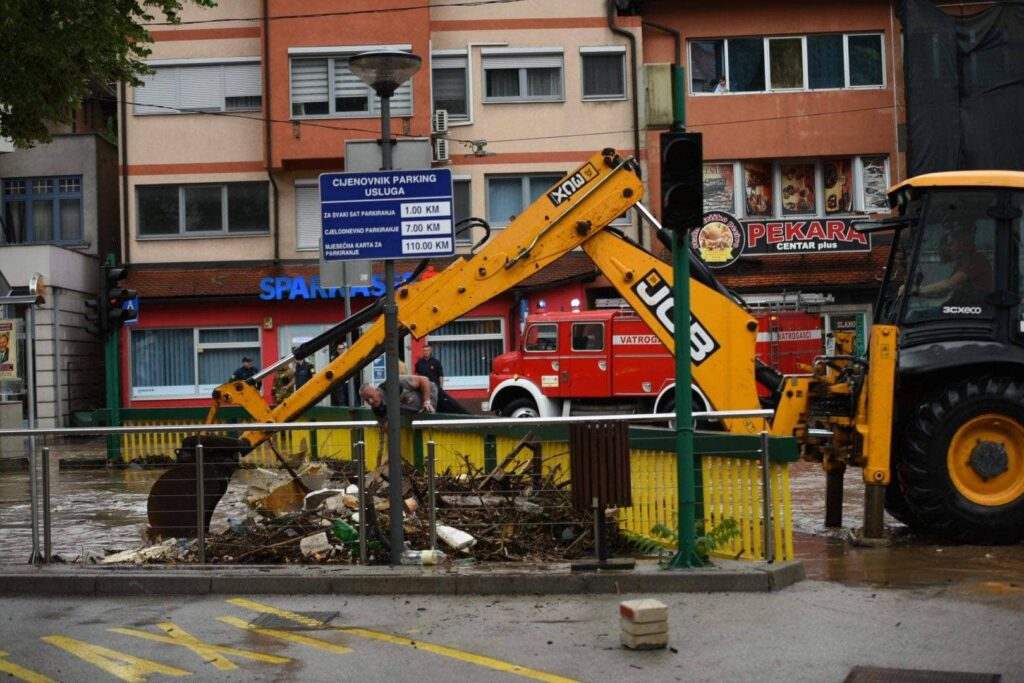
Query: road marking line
{"points": [[443, 650], [126, 667], [20, 672], [210, 653], [289, 636]]}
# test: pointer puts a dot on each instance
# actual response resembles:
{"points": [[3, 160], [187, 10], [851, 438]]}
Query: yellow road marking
{"points": [[20, 672], [289, 636], [443, 650], [126, 667], [212, 654]]}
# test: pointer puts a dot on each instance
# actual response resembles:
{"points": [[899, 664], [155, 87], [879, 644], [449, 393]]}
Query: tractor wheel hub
{"points": [[989, 459]]}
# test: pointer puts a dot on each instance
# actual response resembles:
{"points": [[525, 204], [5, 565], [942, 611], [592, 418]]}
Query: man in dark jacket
{"points": [[430, 367], [245, 372]]}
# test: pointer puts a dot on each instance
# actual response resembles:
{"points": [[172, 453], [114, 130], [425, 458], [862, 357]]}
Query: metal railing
{"points": [[449, 450]]}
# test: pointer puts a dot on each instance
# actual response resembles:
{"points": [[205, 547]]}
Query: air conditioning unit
{"points": [[440, 121], [441, 150]]}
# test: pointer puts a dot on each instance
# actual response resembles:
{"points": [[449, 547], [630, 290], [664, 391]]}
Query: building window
{"points": [[188, 362], [462, 208], [507, 196], [604, 73], [42, 209], [522, 75], [325, 86], [451, 86], [779, 64], [466, 348], [182, 88], [307, 216], [801, 187], [227, 208]]}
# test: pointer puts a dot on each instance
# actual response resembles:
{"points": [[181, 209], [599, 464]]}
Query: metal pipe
{"points": [[431, 463], [47, 548], [358, 424], [30, 398], [766, 502], [360, 455], [391, 393], [200, 505]]}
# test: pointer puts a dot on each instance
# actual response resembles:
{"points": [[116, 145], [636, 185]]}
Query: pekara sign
{"points": [[723, 239]]}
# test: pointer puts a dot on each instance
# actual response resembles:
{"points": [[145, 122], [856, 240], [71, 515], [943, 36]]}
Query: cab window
{"points": [[588, 336], [955, 270], [541, 338]]}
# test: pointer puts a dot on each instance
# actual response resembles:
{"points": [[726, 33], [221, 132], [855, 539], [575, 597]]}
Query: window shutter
{"points": [[309, 80], [448, 62], [307, 216], [552, 60], [346, 83], [243, 80], [401, 101], [158, 90], [201, 87]]}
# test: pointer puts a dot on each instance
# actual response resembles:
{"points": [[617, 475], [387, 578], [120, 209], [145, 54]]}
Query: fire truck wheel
{"points": [[962, 461], [521, 407]]}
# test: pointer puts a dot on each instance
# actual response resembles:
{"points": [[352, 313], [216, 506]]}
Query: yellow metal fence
{"points": [[731, 486]]}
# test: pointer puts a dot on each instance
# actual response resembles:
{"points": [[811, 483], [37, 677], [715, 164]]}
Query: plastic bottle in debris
{"points": [[344, 531], [424, 557]]}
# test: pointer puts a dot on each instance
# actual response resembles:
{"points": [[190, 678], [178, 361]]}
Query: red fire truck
{"points": [[610, 361]]}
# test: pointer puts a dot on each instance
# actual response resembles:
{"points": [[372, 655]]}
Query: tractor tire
{"points": [[520, 407], [961, 466]]}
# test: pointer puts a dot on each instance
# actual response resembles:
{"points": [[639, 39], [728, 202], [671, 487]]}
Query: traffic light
{"points": [[116, 297], [107, 311], [682, 181]]}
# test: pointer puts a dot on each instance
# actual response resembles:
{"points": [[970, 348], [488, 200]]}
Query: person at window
{"points": [[430, 367], [339, 392], [303, 372], [245, 372], [721, 87], [971, 278]]}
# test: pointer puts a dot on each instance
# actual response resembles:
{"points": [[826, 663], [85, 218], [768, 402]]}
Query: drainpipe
{"points": [[123, 132], [267, 138], [678, 79], [612, 14]]}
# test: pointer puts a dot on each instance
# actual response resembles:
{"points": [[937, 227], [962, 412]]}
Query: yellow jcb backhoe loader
{"points": [[939, 399]]}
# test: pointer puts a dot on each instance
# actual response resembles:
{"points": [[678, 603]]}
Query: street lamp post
{"points": [[384, 71]]}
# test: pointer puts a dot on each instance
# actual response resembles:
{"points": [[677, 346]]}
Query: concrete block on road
{"points": [[281, 585], [152, 583], [643, 611], [643, 629], [652, 641]]}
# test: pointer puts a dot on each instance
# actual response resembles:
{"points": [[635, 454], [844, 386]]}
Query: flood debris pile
{"points": [[514, 512]]}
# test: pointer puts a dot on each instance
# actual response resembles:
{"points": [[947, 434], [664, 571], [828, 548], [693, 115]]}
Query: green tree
{"points": [[53, 53]]}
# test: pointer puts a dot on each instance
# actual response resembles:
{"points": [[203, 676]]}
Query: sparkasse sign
{"points": [[803, 236]]}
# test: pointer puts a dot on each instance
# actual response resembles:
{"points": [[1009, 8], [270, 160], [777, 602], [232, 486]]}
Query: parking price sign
{"points": [[387, 214]]}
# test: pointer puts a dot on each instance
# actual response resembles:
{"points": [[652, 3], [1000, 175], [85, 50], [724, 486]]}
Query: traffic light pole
{"points": [[111, 363]]}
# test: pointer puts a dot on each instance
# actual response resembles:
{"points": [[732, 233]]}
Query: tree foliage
{"points": [[53, 53]]}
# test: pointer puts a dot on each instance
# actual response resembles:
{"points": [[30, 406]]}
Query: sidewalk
{"points": [[554, 579]]}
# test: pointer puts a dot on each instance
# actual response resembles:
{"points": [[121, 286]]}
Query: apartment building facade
{"points": [[800, 105], [249, 102], [58, 218]]}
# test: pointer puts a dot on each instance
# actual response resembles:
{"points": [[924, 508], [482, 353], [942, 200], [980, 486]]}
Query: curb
{"points": [[557, 580]]}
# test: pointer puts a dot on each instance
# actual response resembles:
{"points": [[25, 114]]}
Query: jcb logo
{"points": [[571, 185], [656, 295]]}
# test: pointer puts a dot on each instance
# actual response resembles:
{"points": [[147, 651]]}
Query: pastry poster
{"points": [[759, 187], [798, 189], [8, 350], [837, 186]]}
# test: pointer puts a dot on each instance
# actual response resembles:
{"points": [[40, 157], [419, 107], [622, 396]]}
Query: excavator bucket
{"points": [[172, 505]]}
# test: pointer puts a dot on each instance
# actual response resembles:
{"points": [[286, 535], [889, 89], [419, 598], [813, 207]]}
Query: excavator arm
{"points": [[573, 212]]}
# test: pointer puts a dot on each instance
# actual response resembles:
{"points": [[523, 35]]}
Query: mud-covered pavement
{"points": [[99, 509]]}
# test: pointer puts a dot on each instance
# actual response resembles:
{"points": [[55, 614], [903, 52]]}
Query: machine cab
{"points": [[954, 270]]}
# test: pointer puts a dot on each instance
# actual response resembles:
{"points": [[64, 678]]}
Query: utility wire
{"points": [[320, 124], [339, 13]]}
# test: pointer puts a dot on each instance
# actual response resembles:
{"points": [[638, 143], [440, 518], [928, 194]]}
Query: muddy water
{"points": [[103, 509]]}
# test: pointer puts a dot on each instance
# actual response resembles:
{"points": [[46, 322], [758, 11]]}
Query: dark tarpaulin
{"points": [[965, 87]]}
